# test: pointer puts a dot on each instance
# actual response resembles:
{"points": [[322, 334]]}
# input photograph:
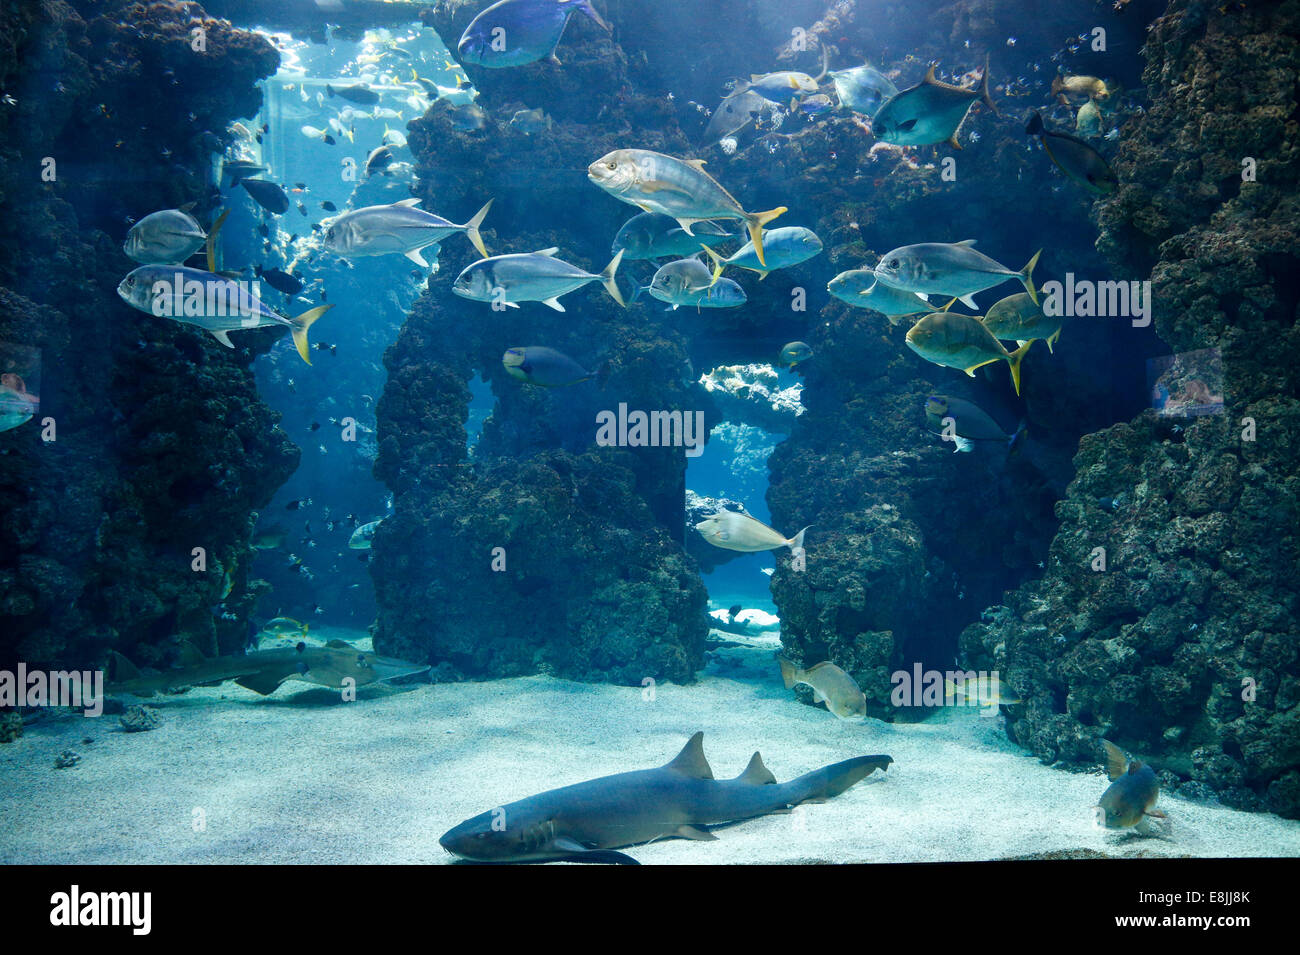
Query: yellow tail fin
{"points": [[607, 279], [1014, 360], [756, 221], [1027, 277], [718, 263], [471, 228], [212, 240], [300, 326]]}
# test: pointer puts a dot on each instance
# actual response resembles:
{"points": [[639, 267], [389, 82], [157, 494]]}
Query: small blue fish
{"points": [[518, 32]]}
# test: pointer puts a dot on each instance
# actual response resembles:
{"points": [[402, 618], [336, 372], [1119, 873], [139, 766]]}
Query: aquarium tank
{"points": [[618, 431]]}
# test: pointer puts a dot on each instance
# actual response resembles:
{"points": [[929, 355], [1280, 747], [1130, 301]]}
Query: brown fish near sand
{"points": [[830, 685], [1131, 796]]}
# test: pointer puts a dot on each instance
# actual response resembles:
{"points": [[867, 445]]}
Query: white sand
{"points": [[303, 777]]}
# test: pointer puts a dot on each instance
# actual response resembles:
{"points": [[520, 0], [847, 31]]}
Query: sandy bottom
{"points": [[300, 776]]}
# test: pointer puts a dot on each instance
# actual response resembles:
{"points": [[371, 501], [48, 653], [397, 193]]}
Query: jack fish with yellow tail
{"points": [[654, 182]]}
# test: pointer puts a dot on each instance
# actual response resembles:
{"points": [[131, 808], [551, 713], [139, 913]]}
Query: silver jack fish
{"points": [[680, 188], [400, 227], [530, 277], [783, 247], [863, 89], [1018, 318], [518, 32], [732, 530], [962, 341], [689, 282], [649, 235], [859, 288], [953, 269], [930, 112], [167, 237], [213, 303]]}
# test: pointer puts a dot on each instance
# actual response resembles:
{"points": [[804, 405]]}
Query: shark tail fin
{"points": [[471, 228], [755, 221], [829, 781], [789, 673], [300, 325], [611, 284], [797, 543]]}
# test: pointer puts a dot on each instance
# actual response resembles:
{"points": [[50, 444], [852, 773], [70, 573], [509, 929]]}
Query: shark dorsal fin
{"points": [[690, 761], [190, 656], [122, 668], [1116, 762], [756, 773]]}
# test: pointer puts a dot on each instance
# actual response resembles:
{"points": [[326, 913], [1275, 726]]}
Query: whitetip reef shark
{"points": [[587, 821]]}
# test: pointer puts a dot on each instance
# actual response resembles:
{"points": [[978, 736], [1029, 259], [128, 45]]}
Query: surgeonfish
{"points": [[795, 352], [1074, 157], [930, 112], [531, 277], [830, 685], [397, 228], [965, 423], [674, 187], [267, 194], [953, 269], [732, 530], [539, 365], [530, 29], [1132, 794]]}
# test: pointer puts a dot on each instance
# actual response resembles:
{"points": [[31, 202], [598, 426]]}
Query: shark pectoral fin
{"points": [[222, 337], [579, 853], [263, 683], [703, 835]]}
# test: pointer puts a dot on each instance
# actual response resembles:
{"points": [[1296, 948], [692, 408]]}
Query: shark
{"points": [[263, 671], [589, 821]]}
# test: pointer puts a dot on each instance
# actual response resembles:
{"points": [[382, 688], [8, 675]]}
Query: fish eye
{"points": [[611, 165], [892, 264]]}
